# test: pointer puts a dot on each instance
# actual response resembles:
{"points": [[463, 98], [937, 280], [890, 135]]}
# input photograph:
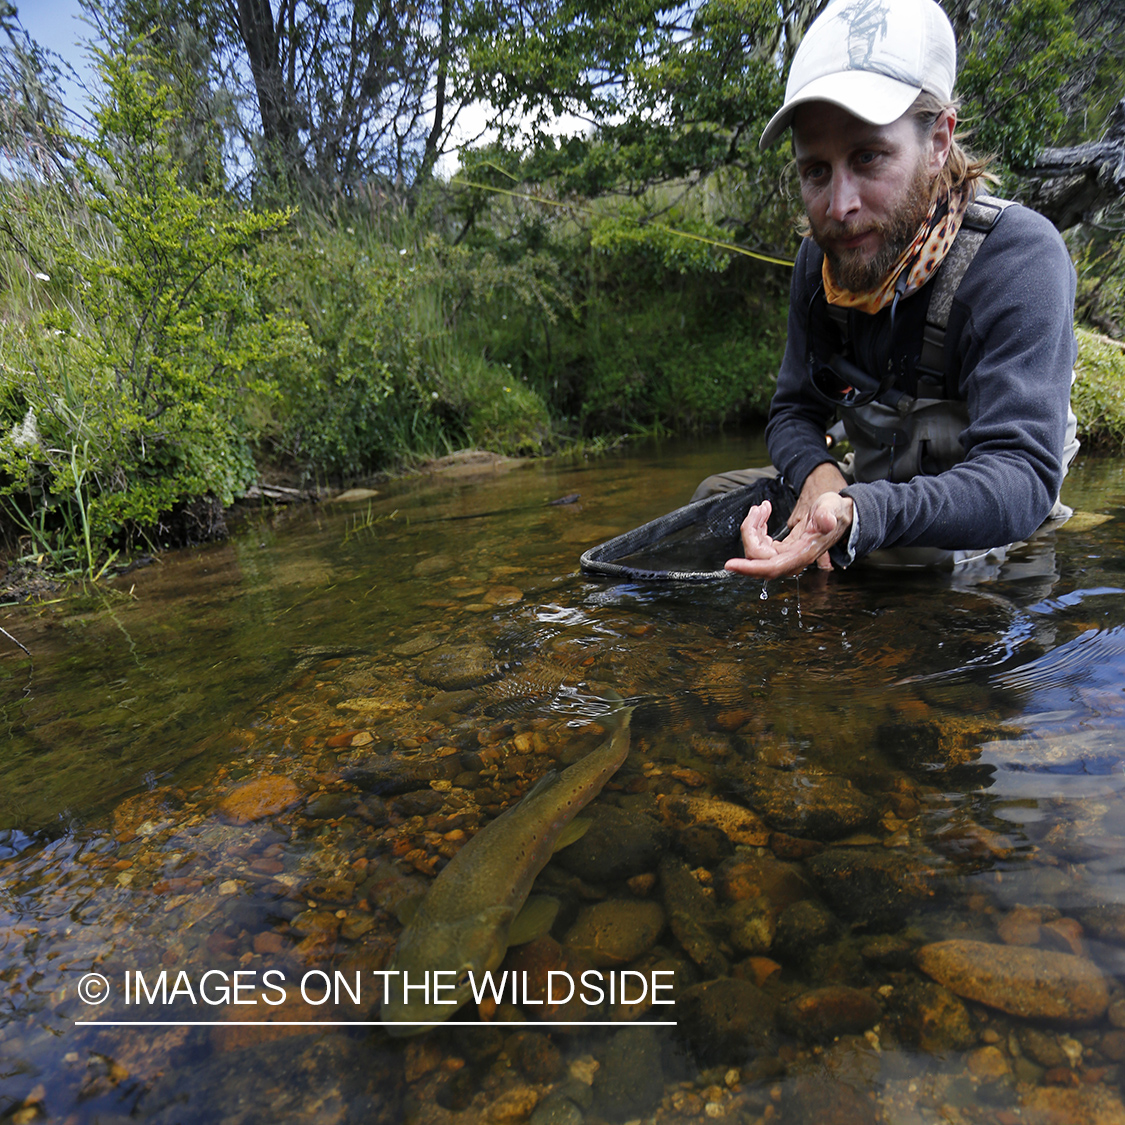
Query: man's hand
{"points": [[824, 478], [827, 521]]}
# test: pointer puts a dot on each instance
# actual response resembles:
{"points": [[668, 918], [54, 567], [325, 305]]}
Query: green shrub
{"points": [[126, 396]]}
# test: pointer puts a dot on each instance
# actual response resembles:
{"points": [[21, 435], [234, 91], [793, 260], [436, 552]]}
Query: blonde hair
{"points": [[962, 169]]}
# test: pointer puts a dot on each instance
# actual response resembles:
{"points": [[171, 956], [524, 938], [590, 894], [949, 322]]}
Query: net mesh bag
{"points": [[692, 543]]}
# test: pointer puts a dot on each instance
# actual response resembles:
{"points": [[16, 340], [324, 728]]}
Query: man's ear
{"points": [[941, 140]]}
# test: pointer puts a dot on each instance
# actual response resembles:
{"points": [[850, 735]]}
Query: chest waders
{"points": [[897, 436]]}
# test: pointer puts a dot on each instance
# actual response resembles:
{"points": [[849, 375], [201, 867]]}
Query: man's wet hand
{"points": [[827, 522]]}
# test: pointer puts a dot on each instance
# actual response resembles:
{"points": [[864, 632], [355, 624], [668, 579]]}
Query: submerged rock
{"points": [[322, 1081], [826, 1101], [877, 887], [457, 667], [691, 916], [751, 925], [726, 1019], [781, 883], [613, 933], [262, 797], [930, 1017], [1086, 1105], [737, 824], [822, 806], [618, 845], [803, 927], [630, 1081], [824, 1013], [1032, 983]]}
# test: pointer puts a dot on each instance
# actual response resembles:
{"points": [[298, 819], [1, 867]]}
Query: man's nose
{"points": [[844, 198]]}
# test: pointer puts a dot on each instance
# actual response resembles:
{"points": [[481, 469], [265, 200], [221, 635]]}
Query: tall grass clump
{"points": [[1098, 394], [399, 371]]}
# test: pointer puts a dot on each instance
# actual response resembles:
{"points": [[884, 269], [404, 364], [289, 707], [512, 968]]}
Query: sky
{"points": [[58, 25]]}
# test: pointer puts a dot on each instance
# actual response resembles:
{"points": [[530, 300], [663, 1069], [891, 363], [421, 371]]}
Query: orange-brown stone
{"points": [[1030, 983], [262, 797]]}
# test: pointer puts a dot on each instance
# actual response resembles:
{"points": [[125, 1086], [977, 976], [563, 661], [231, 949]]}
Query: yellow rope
{"points": [[589, 211]]}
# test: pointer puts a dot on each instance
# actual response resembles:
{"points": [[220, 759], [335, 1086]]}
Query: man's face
{"points": [[866, 188]]}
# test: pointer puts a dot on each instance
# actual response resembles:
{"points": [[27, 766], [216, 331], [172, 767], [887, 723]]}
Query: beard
{"points": [[850, 269]]}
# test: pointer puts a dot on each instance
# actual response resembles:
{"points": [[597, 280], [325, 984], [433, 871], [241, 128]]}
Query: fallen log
{"points": [[1073, 185]]}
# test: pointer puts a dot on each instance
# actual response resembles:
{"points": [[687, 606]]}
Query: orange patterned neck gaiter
{"points": [[922, 257]]}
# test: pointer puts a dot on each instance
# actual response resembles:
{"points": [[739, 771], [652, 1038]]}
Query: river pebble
{"points": [[1032, 983]]}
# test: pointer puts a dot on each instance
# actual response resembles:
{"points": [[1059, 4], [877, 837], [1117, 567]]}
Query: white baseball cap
{"points": [[872, 58]]}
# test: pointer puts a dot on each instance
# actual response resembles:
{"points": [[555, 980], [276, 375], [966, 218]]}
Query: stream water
{"points": [[871, 826]]}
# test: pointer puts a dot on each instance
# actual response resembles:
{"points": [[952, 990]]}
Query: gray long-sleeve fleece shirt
{"points": [[1009, 353]]}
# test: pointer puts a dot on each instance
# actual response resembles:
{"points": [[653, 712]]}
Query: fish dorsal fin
{"points": [[544, 783], [406, 909], [534, 920], [573, 832]]}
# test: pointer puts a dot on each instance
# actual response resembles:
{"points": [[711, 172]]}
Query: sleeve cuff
{"points": [[844, 553]]}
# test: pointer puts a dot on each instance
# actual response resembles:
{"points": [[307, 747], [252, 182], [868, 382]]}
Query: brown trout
{"points": [[462, 925]]}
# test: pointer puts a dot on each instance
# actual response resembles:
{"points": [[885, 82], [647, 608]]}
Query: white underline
{"points": [[374, 1023]]}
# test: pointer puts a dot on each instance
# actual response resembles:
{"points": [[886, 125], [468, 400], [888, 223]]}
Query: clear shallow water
{"points": [[444, 627]]}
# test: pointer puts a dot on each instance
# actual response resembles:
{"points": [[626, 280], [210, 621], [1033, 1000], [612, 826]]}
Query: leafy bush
{"points": [[126, 396]]}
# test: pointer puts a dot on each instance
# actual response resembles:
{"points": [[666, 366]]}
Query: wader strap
{"points": [[885, 436], [980, 218]]}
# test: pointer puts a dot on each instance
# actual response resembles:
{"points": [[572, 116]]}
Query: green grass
{"points": [[1098, 395]]}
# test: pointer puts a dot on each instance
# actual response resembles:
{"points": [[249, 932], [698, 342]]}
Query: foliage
{"points": [[1017, 60], [30, 109], [332, 93], [1098, 395], [130, 389], [395, 373]]}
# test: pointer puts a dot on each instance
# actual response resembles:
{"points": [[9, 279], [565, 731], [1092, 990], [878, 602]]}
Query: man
{"points": [[954, 395]]}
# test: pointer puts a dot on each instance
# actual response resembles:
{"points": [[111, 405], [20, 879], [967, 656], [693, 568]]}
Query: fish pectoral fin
{"points": [[406, 909], [534, 920], [573, 832]]}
